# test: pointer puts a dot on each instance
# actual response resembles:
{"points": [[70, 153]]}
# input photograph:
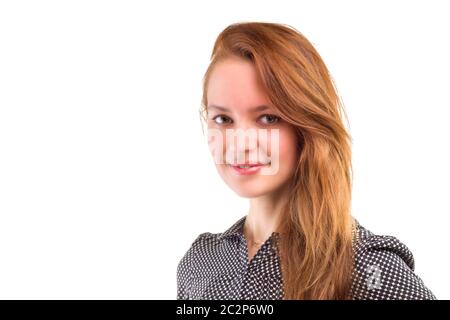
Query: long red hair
{"points": [[315, 246]]}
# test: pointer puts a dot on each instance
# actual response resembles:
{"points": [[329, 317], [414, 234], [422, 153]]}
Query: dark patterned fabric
{"points": [[216, 267]]}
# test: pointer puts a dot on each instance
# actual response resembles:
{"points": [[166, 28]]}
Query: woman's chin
{"points": [[249, 192], [247, 195]]}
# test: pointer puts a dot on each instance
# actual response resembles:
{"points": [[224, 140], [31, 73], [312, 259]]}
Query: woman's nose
{"points": [[242, 143]]}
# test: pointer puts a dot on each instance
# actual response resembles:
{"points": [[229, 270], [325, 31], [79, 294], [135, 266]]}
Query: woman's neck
{"points": [[263, 216]]}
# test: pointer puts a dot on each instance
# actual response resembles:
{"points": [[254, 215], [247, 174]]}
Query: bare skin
{"points": [[262, 220], [252, 250]]}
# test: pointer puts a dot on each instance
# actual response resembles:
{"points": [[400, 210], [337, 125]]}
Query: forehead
{"points": [[234, 84]]}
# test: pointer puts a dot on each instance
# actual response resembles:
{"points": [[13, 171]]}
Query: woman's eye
{"points": [[220, 119], [270, 119], [267, 119]]}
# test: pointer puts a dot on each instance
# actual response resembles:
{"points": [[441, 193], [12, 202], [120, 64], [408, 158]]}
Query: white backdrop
{"points": [[105, 176]]}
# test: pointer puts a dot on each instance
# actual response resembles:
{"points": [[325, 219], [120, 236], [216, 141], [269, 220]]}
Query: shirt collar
{"points": [[234, 230]]}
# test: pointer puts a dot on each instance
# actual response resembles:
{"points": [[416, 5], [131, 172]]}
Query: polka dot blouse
{"points": [[216, 266]]}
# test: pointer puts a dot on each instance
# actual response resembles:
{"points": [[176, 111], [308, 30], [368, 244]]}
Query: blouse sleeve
{"points": [[384, 270]]}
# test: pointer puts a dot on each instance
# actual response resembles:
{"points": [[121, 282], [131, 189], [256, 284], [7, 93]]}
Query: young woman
{"points": [[299, 239]]}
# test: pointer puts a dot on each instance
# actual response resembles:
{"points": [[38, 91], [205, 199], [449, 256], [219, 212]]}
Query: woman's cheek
{"points": [[288, 149], [217, 145]]}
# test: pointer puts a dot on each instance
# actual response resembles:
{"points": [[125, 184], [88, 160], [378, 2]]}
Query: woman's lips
{"points": [[248, 169]]}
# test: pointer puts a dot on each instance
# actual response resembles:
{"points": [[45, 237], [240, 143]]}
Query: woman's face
{"points": [[241, 133]]}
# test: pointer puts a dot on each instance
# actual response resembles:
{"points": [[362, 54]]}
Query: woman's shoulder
{"points": [[206, 242], [201, 258], [207, 247], [366, 241], [384, 268], [184, 268], [200, 241], [201, 245]]}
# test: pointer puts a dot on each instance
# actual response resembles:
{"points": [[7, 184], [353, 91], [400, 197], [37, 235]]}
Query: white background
{"points": [[105, 176]]}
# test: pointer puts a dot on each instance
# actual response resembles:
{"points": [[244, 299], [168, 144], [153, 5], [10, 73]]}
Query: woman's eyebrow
{"points": [[224, 109]]}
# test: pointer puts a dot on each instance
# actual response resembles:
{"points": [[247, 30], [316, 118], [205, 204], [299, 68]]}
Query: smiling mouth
{"points": [[244, 166], [248, 168]]}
